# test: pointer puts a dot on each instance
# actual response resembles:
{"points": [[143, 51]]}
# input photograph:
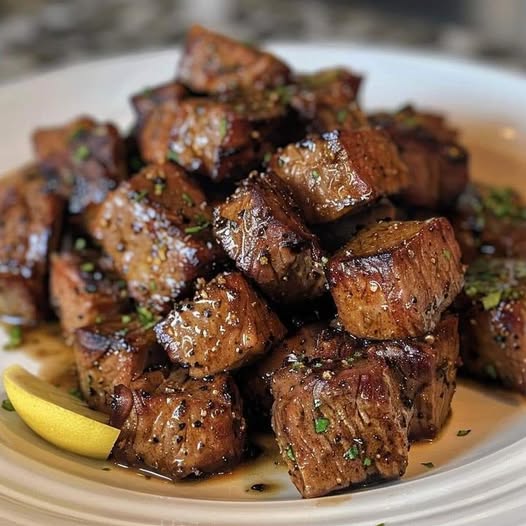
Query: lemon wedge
{"points": [[57, 416]]}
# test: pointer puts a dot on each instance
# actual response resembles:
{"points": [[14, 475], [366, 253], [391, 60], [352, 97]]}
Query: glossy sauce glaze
{"points": [[263, 475]]}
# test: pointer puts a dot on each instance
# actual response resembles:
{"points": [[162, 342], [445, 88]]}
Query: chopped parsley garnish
{"points": [[202, 223], [447, 254], [75, 392], [87, 267], [153, 285], [126, 318], [172, 156], [428, 465], [139, 196], [80, 243], [147, 92], [315, 175], [284, 93], [14, 337], [223, 128], [491, 371], [146, 318], [367, 462], [503, 202], [7, 405], [463, 432], [267, 157], [81, 153], [341, 115], [321, 425], [187, 199], [158, 189], [352, 453], [290, 453], [494, 281]]}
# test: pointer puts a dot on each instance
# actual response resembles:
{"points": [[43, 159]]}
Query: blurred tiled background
{"points": [[38, 34]]}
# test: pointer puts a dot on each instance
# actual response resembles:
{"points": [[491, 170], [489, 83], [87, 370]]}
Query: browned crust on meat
{"points": [[394, 279], [224, 327], [213, 63], [183, 427], [260, 228], [340, 172]]}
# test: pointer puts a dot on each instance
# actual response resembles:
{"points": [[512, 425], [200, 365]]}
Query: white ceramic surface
{"points": [[478, 479]]}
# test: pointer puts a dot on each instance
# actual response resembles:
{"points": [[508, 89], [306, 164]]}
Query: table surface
{"points": [[40, 34]]}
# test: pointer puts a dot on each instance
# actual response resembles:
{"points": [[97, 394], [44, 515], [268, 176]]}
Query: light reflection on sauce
{"points": [[46, 346]]}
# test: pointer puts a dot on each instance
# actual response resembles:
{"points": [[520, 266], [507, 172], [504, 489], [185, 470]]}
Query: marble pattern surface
{"points": [[40, 34]]}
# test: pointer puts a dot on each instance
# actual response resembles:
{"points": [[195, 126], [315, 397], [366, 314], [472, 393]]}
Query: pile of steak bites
{"points": [[259, 253]]}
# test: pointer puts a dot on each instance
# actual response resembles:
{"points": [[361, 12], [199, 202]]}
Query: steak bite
{"points": [[219, 138], [29, 230], [438, 164], [86, 159], [493, 344], [213, 63], [395, 279], [255, 381], [183, 427], [336, 173], [427, 368], [326, 100], [155, 228], [84, 288], [492, 221], [150, 98], [340, 424], [114, 352], [224, 327], [261, 229]]}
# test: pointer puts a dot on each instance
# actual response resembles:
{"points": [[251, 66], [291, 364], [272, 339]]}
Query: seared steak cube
{"points": [[438, 164], [255, 381], [262, 231], [336, 173], [155, 228], [31, 220], [218, 138], [493, 329], [491, 221], [395, 279], [339, 425], [114, 352], [326, 100], [225, 326], [84, 288], [86, 158], [150, 98], [183, 427], [213, 63], [427, 368]]}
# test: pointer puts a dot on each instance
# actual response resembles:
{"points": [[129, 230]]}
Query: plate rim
{"points": [[262, 508]]}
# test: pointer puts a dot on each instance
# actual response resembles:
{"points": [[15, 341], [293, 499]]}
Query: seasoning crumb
{"points": [[258, 487], [7, 405]]}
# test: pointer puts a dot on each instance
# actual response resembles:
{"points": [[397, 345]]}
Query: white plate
{"points": [[478, 479]]}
